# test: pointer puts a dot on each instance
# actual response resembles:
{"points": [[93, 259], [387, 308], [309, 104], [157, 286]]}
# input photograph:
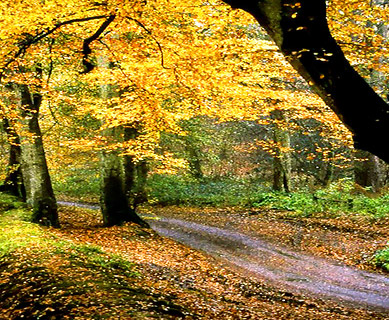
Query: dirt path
{"points": [[286, 269]]}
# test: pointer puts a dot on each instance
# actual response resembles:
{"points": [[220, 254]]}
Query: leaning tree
{"points": [[300, 30]]}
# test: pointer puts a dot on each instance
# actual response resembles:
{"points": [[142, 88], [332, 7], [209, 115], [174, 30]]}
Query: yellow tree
{"points": [[167, 60]]}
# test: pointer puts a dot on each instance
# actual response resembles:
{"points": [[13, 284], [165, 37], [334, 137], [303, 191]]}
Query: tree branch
{"points": [[86, 50], [30, 39], [152, 37], [300, 30]]}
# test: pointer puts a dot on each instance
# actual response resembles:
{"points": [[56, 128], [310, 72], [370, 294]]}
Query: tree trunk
{"points": [[114, 201], [367, 170], [282, 163], [142, 171], [114, 205], [39, 191], [135, 174], [300, 30], [13, 182], [116, 177], [194, 161], [130, 169]]}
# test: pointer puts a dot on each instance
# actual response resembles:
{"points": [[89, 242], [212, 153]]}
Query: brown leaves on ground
{"points": [[128, 272], [350, 239]]}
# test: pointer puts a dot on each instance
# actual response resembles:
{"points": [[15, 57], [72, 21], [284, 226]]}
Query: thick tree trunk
{"points": [[130, 169], [114, 201], [300, 30], [282, 163], [114, 205], [39, 191], [13, 182], [142, 171], [367, 170], [116, 176]]}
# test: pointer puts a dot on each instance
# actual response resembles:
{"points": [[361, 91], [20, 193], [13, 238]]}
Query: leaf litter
{"points": [[128, 272]]}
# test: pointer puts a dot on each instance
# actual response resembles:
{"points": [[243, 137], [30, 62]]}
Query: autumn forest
{"points": [[167, 159]]}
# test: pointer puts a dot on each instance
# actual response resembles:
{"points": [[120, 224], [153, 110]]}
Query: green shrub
{"points": [[335, 200], [382, 258], [171, 189], [78, 183]]}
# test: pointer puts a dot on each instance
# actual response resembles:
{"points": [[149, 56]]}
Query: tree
{"points": [[300, 30], [367, 170], [116, 171], [282, 163], [36, 178]]}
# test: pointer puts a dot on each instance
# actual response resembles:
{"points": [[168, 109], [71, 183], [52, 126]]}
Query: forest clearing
{"points": [[215, 159]]}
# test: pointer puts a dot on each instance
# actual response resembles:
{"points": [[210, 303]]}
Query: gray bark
{"points": [[39, 191]]}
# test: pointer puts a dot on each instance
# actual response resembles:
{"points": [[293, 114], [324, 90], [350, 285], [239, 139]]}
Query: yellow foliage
{"points": [[168, 61]]}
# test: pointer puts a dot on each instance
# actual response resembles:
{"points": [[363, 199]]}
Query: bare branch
{"points": [[152, 37]]}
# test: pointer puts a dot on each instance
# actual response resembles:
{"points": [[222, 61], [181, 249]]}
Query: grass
{"points": [[81, 184], [177, 190], [43, 276]]}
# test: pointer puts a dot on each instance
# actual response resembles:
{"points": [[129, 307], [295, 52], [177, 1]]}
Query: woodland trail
{"points": [[285, 269]]}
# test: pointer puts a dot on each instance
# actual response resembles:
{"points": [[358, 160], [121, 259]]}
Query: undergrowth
{"points": [[335, 200], [382, 258], [77, 184]]}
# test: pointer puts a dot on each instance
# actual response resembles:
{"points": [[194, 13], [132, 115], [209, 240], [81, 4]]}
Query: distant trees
{"points": [[282, 163]]}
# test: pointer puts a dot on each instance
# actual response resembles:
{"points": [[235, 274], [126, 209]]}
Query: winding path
{"points": [[291, 271]]}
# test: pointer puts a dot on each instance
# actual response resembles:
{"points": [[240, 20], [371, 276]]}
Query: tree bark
{"points": [[300, 30], [130, 169], [282, 162], [39, 191], [367, 170], [114, 205], [135, 174], [114, 201], [117, 174], [13, 182], [142, 171]]}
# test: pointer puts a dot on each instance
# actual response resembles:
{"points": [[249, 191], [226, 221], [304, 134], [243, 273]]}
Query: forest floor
{"points": [[85, 271], [351, 239]]}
